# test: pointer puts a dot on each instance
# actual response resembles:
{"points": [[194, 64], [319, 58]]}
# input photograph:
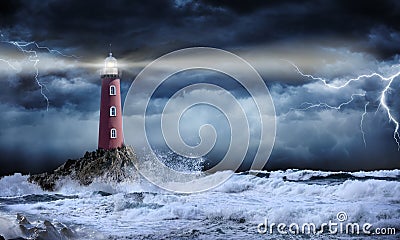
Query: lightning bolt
{"points": [[382, 98], [28, 49], [322, 104], [8, 63], [361, 124], [20, 45], [383, 103]]}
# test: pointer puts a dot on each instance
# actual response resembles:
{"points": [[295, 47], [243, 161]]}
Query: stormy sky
{"points": [[333, 40]]}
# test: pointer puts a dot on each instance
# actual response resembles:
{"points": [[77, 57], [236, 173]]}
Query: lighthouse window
{"points": [[112, 90], [113, 111], [113, 133]]}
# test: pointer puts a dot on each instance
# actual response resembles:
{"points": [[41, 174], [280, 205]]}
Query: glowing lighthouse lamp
{"points": [[110, 126]]}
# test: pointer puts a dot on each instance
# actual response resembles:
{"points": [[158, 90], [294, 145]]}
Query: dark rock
{"points": [[102, 193], [22, 219], [112, 164], [67, 232], [43, 230]]}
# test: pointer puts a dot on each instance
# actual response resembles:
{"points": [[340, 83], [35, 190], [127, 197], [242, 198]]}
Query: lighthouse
{"points": [[110, 125]]}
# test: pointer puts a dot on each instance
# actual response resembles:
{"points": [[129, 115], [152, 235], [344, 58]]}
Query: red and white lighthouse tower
{"points": [[110, 126]]}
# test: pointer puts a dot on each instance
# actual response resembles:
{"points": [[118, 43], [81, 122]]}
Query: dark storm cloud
{"points": [[329, 38], [39, 140], [127, 24], [336, 142], [132, 25], [8, 10]]}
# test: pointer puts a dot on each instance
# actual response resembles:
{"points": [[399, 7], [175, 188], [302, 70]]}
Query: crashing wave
{"points": [[306, 175]]}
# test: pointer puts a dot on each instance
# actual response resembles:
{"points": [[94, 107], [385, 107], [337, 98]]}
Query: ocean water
{"points": [[234, 210]]}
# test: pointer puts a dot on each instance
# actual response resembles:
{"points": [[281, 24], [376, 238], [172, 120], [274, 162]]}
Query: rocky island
{"points": [[114, 164]]}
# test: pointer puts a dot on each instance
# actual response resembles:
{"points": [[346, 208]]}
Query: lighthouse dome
{"points": [[110, 67]]}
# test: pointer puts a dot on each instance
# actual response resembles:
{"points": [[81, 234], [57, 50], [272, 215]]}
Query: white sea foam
{"points": [[138, 208], [299, 175], [17, 185], [8, 228]]}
